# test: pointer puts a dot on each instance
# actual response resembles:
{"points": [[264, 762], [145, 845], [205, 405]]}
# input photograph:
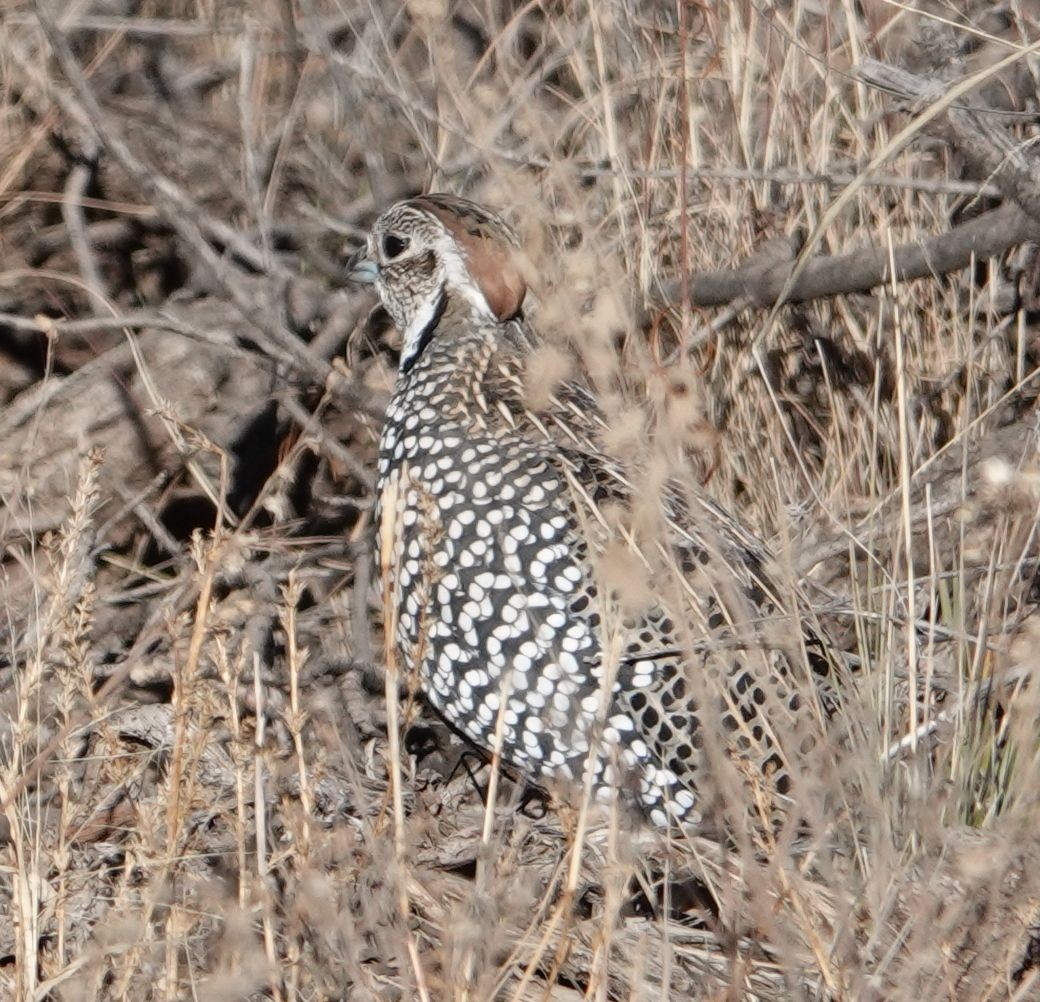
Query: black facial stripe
{"points": [[427, 333]]}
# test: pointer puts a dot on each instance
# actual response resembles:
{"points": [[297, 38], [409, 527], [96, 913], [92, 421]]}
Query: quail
{"points": [[502, 516]]}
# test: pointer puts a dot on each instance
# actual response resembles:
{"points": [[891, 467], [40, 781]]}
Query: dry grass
{"points": [[199, 791]]}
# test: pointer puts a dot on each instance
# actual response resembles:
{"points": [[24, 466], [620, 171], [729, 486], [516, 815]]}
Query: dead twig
{"points": [[987, 236], [1009, 167], [973, 131]]}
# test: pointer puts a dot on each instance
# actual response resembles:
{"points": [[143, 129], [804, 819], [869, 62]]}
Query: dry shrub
{"points": [[199, 793]]}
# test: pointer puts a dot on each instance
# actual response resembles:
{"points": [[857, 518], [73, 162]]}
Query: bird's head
{"points": [[425, 252]]}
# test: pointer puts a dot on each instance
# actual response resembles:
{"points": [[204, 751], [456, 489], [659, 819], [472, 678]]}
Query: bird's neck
{"points": [[448, 375], [421, 330], [447, 329]]}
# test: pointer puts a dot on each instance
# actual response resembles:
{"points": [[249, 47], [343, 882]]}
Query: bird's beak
{"points": [[361, 269]]}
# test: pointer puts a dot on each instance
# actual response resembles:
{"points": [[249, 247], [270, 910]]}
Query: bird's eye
{"points": [[394, 245]]}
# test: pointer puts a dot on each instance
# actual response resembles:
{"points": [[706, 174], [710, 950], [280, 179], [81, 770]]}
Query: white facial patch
{"points": [[458, 277], [415, 331]]}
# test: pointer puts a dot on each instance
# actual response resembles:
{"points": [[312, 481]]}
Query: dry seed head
{"points": [[547, 369], [621, 573], [1026, 643], [626, 435], [1009, 489], [679, 405], [428, 11]]}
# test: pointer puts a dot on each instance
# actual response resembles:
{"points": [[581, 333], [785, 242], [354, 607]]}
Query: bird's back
{"points": [[543, 618]]}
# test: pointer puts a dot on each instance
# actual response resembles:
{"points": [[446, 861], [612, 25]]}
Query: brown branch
{"points": [[859, 271], [78, 232], [1011, 167]]}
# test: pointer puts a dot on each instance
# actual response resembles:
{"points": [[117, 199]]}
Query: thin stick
{"points": [[389, 530]]}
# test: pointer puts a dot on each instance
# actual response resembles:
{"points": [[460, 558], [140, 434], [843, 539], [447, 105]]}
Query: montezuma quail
{"points": [[498, 599]]}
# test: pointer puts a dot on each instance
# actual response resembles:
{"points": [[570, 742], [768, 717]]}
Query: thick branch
{"points": [[985, 145], [859, 271]]}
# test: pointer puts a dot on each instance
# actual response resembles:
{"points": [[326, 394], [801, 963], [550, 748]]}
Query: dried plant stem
{"points": [[260, 810], [297, 717], [389, 529], [905, 474]]}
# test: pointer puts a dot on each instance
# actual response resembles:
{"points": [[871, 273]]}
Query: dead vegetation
{"points": [[200, 796]]}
